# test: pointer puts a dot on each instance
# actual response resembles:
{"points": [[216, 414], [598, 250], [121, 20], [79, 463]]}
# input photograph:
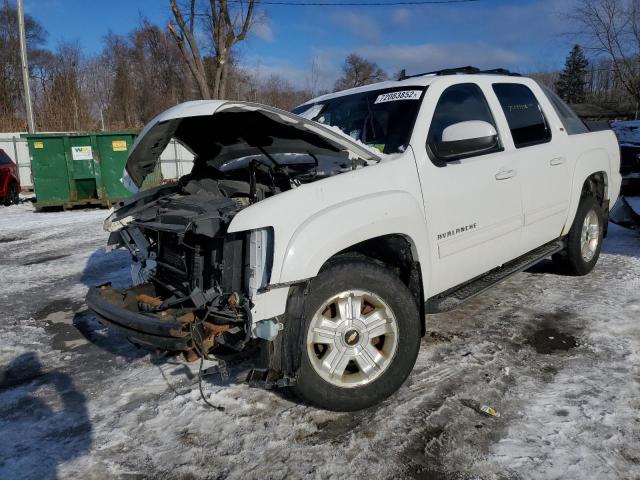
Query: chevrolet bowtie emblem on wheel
{"points": [[352, 337]]}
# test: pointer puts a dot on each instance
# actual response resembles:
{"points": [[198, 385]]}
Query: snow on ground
{"points": [[557, 356]]}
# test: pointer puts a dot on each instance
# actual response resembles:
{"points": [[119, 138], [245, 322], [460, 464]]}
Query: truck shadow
{"points": [[44, 417], [106, 267], [622, 241], [103, 267], [105, 338], [545, 266]]}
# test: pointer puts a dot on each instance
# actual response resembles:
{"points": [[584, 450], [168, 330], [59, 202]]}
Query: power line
{"points": [[355, 4]]}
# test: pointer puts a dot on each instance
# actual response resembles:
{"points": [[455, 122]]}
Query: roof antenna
{"points": [[403, 74]]}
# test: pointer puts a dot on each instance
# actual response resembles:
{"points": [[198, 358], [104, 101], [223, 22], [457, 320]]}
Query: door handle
{"points": [[505, 174], [557, 161]]}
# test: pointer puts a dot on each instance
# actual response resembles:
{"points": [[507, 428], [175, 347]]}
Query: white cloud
{"points": [[401, 17], [263, 31], [299, 76], [393, 58], [359, 25], [432, 56], [422, 58]]}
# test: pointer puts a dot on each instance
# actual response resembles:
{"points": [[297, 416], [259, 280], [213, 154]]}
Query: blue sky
{"points": [[524, 35]]}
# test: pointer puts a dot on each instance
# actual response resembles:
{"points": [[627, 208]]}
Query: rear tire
{"points": [[358, 336], [13, 195], [584, 240]]}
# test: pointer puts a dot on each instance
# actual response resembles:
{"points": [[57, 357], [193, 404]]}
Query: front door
{"points": [[472, 204]]}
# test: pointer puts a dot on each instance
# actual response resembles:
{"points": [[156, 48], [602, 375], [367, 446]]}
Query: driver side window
{"points": [[459, 103]]}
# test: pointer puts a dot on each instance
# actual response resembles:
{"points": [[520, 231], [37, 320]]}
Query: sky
{"points": [[521, 35]]}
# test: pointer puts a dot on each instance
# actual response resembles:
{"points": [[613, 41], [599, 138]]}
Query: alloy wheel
{"points": [[352, 338]]}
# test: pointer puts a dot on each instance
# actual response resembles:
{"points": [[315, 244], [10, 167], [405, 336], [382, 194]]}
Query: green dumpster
{"points": [[81, 168]]}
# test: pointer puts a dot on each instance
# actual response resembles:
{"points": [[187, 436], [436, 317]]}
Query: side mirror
{"points": [[472, 137]]}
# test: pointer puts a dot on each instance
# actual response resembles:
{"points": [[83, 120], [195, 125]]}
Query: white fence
{"points": [[175, 161], [17, 149]]}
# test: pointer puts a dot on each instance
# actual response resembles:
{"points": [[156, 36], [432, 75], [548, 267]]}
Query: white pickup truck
{"points": [[324, 236]]}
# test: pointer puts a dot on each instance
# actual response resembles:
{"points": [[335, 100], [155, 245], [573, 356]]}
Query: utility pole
{"points": [[25, 68]]}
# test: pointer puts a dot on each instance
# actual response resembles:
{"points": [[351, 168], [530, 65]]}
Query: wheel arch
{"points": [[590, 178], [396, 252]]}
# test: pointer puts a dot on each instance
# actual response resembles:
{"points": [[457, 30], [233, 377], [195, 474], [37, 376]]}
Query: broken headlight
{"points": [[259, 260]]}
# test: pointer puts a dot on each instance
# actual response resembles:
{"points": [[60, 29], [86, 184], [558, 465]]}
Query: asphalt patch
{"points": [[336, 428], [9, 239], [59, 305], [423, 458], [49, 258], [549, 340]]}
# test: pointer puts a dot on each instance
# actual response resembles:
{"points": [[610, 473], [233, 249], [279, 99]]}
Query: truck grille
{"points": [[171, 253], [172, 261]]}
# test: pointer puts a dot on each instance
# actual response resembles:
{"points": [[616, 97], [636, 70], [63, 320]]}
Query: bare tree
{"points": [[227, 29], [12, 115], [612, 28], [185, 38], [64, 105], [226, 26], [314, 77], [358, 71], [547, 78]]}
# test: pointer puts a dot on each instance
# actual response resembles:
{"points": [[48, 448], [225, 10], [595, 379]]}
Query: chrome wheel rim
{"points": [[352, 338], [590, 236]]}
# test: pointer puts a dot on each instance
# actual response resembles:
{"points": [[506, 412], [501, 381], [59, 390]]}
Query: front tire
{"points": [[584, 240], [359, 337]]}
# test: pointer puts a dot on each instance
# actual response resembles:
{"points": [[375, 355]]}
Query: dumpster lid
{"points": [[206, 126]]}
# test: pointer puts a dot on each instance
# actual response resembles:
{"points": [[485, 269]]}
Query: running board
{"points": [[453, 297]]}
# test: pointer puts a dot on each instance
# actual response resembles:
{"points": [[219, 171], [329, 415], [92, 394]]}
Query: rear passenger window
{"points": [[525, 118], [572, 123]]}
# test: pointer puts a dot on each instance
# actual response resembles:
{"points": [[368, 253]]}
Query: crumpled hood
{"points": [[199, 125]]}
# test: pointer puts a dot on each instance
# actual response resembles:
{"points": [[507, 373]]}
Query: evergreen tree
{"points": [[571, 84]]}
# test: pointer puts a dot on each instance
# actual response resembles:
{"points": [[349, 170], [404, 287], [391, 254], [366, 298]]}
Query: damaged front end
{"points": [[195, 282]]}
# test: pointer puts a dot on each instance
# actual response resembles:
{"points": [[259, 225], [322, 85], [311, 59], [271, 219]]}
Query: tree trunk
{"points": [[217, 80], [223, 81]]}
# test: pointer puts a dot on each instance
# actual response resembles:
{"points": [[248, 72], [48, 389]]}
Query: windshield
{"points": [[382, 119]]}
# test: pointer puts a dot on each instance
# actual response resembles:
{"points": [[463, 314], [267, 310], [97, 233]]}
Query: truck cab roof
{"points": [[422, 80]]}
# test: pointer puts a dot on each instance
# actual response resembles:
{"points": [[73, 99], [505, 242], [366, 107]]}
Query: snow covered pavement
{"points": [[557, 356]]}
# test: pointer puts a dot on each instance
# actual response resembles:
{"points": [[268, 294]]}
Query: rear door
{"points": [[536, 145], [472, 204]]}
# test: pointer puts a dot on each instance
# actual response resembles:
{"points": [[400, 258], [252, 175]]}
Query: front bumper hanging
{"points": [[117, 309]]}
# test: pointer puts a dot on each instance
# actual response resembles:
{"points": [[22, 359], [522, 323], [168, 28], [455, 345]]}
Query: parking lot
{"points": [[558, 357]]}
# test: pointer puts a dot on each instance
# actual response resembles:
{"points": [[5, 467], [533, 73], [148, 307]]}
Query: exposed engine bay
{"points": [[193, 281]]}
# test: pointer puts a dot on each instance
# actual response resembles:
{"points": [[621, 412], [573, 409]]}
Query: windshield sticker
{"points": [[401, 95]]}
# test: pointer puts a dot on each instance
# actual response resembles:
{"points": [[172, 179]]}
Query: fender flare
{"points": [[393, 212], [593, 161]]}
